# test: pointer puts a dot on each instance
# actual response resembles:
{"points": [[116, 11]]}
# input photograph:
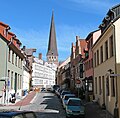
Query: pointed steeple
{"points": [[52, 53]]}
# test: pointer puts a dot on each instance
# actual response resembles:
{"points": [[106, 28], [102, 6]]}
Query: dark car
{"points": [[43, 89], [17, 114], [55, 87]]}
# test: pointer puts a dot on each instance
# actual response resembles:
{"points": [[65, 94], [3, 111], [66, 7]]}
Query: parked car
{"points": [[43, 89], [63, 93], [55, 87], [66, 97], [57, 92], [49, 89], [74, 107], [17, 114]]}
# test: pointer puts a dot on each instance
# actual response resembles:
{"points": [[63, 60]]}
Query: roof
{"points": [[90, 34], [69, 94], [30, 51], [5, 25], [52, 46], [74, 99]]}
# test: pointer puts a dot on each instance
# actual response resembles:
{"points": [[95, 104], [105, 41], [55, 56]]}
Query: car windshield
{"points": [[74, 103], [66, 92]]}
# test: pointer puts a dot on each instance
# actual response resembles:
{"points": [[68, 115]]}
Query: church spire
{"points": [[52, 53]]}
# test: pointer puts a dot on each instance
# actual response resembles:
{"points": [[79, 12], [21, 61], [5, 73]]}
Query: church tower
{"points": [[52, 53]]}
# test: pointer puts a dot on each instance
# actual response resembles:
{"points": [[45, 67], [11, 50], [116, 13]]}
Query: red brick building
{"points": [[77, 55]]}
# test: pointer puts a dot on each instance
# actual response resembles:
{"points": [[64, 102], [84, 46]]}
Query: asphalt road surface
{"points": [[46, 105]]}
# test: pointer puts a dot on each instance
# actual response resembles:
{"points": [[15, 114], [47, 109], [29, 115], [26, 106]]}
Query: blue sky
{"points": [[30, 21]]}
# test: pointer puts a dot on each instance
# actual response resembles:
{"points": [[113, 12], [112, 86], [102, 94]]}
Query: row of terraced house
{"points": [[20, 71], [15, 65], [93, 69]]}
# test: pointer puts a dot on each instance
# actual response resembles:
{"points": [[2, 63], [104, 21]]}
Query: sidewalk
{"points": [[25, 101], [93, 110]]}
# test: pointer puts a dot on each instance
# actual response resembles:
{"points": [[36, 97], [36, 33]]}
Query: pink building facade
{"points": [[88, 64]]}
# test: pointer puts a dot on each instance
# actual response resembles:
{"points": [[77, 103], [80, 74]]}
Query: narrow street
{"points": [[46, 105]]}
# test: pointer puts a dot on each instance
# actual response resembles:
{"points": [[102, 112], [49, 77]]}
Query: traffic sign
{"points": [[78, 81]]}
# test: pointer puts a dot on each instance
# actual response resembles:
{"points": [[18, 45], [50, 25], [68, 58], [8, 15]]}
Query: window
{"points": [[9, 55], [107, 86], [112, 86], [20, 81], [8, 73], [96, 85], [99, 85], [19, 62], [111, 46], [106, 50], [16, 60], [12, 80], [81, 70], [97, 57], [12, 57], [90, 86], [101, 53]]}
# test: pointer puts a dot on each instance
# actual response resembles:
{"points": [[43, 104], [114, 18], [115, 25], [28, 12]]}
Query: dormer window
{"points": [[107, 18], [103, 25], [5, 32]]}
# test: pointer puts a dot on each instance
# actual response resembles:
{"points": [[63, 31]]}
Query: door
{"points": [[103, 86]]}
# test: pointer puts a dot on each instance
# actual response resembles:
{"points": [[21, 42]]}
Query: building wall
{"points": [[96, 35], [3, 47], [43, 75], [8, 70], [26, 80], [3, 50], [101, 73]]}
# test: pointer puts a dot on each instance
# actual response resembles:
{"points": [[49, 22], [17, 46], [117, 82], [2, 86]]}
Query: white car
{"points": [[63, 93], [66, 97]]}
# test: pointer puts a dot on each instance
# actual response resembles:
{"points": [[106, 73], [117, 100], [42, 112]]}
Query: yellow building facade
{"points": [[106, 54]]}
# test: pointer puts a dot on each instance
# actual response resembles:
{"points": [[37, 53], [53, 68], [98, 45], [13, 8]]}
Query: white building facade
{"points": [[43, 74]]}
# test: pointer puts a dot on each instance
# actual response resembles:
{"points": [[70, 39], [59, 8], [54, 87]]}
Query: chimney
{"points": [[72, 44], [77, 37], [24, 47], [40, 55]]}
